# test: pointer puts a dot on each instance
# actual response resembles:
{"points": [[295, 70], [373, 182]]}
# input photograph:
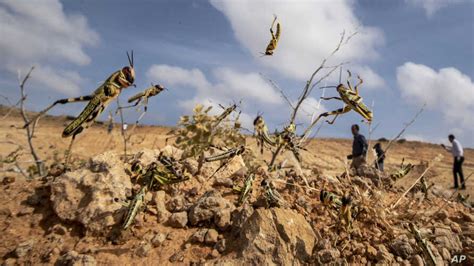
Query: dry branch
{"points": [[310, 84], [30, 129], [122, 128], [404, 129]]}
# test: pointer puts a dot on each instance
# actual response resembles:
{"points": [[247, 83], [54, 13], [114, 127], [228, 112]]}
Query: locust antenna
{"points": [[340, 74], [130, 58]]}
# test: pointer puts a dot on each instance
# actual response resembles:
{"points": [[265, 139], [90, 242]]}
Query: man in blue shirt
{"points": [[359, 148], [458, 154]]}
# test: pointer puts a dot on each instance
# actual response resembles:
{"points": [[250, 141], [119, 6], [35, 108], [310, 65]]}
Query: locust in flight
{"points": [[275, 38], [98, 101], [142, 98]]}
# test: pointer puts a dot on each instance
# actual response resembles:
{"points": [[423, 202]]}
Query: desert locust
{"points": [[352, 101], [135, 207], [275, 38], [246, 189], [271, 195], [142, 99], [402, 171], [98, 101]]}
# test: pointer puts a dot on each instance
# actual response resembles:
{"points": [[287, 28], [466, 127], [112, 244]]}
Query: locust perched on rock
{"points": [[330, 199], [272, 197], [135, 207], [402, 171], [225, 156], [246, 189]]}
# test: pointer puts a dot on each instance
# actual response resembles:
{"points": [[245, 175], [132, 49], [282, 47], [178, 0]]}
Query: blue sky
{"points": [[409, 52]]}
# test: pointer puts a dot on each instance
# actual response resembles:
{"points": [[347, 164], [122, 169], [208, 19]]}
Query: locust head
{"points": [[156, 89], [258, 121], [129, 74], [269, 52], [128, 71], [159, 88], [341, 89]]}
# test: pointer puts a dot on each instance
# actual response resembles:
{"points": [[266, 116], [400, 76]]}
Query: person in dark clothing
{"points": [[458, 155], [359, 148], [380, 156]]}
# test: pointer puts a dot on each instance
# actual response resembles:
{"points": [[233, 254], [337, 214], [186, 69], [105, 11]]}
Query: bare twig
{"points": [[280, 90], [30, 129], [370, 133], [405, 128], [310, 84]]}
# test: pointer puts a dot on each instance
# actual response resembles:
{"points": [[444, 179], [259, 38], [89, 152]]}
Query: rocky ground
{"points": [[76, 218]]}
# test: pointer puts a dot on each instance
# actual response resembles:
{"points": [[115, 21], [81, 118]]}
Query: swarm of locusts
{"points": [[214, 136], [210, 137]]}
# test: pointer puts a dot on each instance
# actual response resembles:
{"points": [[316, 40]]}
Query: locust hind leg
{"points": [[338, 112], [61, 101]]}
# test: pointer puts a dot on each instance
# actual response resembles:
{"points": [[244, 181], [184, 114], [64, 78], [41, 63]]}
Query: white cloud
{"points": [[447, 91], [41, 33], [310, 31], [230, 85], [65, 82], [430, 6]]}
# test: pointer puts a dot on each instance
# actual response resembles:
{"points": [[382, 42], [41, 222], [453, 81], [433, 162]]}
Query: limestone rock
{"points": [[93, 199], [279, 236], [401, 247], [211, 207], [178, 219]]}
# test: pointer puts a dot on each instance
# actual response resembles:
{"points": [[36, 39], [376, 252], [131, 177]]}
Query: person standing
{"points": [[458, 154], [359, 148], [380, 156]]}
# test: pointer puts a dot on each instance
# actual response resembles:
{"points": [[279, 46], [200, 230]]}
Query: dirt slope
{"points": [[33, 233]]}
